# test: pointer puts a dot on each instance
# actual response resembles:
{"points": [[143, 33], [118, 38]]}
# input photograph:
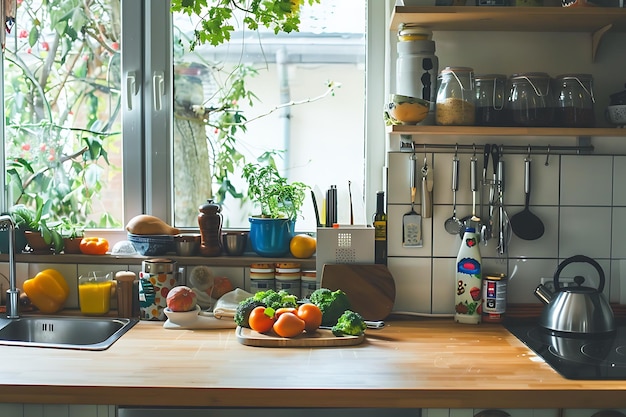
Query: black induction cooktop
{"points": [[591, 357]]}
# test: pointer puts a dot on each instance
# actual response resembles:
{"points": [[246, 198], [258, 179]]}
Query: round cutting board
{"points": [[370, 288]]}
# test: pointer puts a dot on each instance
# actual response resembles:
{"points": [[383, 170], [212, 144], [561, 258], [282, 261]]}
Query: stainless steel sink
{"points": [[83, 333]]}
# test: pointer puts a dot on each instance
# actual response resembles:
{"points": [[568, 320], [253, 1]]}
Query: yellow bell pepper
{"points": [[48, 290]]}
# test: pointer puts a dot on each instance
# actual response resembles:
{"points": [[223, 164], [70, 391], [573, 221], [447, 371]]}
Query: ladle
{"points": [[453, 225]]}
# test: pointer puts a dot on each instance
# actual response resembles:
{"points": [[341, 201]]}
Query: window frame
{"points": [[148, 185]]}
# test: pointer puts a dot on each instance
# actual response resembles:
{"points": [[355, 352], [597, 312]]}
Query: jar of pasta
{"points": [[456, 97]]}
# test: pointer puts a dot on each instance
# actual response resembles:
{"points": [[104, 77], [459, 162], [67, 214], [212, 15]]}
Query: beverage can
{"points": [[494, 297]]}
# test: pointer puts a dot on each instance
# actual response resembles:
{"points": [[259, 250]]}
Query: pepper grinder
{"points": [[127, 294], [210, 222]]}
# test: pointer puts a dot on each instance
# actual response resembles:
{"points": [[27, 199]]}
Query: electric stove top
{"points": [[591, 357]]}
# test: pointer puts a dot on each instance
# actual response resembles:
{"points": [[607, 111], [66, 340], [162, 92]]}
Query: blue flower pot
{"points": [[271, 237]]}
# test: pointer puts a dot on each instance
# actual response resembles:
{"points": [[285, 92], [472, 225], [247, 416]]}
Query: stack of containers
{"points": [[262, 277], [417, 66], [288, 276], [309, 283]]}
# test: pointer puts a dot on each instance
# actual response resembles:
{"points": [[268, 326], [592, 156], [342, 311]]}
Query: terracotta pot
{"points": [[36, 242], [71, 244]]}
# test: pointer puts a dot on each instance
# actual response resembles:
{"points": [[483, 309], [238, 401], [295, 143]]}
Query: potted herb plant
{"points": [[40, 236], [72, 233], [280, 203]]}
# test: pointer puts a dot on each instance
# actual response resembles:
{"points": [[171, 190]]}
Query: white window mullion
{"points": [[158, 89]]}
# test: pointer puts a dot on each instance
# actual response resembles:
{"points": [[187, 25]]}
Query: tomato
{"points": [[285, 310], [288, 325], [260, 320], [312, 316], [94, 245]]}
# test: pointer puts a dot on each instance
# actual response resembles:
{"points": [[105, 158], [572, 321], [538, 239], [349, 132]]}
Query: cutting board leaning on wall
{"points": [[370, 288]]}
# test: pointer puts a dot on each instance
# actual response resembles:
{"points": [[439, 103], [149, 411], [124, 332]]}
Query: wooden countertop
{"points": [[408, 364]]}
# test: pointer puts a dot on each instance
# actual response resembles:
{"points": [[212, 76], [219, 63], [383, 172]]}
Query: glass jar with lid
{"points": [[530, 99], [574, 100], [456, 97], [490, 100]]}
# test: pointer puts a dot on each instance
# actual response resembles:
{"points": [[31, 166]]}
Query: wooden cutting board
{"points": [[369, 287], [321, 338]]}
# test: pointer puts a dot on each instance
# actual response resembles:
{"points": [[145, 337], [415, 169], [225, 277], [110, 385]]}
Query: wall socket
{"points": [[563, 281]]}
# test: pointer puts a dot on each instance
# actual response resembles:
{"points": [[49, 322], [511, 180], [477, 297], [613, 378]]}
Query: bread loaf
{"points": [[145, 224]]}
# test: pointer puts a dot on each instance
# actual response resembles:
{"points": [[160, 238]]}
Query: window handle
{"points": [[158, 89], [131, 88]]}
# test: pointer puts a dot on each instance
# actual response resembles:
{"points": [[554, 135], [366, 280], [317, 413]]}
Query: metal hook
{"points": [[528, 155], [456, 150], [547, 156]]}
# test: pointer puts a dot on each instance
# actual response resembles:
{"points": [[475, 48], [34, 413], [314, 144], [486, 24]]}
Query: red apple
{"points": [[181, 298]]}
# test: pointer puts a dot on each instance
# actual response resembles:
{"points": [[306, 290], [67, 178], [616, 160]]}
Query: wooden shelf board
{"points": [[503, 131], [535, 19]]}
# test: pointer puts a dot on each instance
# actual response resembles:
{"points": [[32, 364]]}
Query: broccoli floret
{"points": [[350, 323], [276, 300], [332, 303], [244, 308]]}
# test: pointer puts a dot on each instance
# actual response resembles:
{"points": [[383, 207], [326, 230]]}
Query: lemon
{"points": [[302, 246]]}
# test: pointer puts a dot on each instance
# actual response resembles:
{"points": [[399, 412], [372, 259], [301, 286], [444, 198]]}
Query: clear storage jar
{"points": [[456, 97], [530, 100], [490, 100], [574, 100]]}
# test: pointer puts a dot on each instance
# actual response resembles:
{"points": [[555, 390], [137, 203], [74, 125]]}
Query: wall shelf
{"points": [[503, 131], [594, 20], [529, 19]]}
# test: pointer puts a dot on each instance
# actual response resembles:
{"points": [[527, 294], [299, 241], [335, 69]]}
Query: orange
{"points": [[312, 316], [302, 246]]}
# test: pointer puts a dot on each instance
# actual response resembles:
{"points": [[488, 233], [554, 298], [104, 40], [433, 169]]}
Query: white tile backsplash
{"points": [[587, 181], [619, 186], [413, 284], [581, 200]]}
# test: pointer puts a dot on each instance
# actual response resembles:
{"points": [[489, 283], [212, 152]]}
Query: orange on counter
{"points": [[302, 246]]}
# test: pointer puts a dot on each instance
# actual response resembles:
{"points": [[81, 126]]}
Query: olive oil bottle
{"points": [[380, 230]]}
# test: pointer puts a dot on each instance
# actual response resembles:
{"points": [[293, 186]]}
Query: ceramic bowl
{"points": [[152, 245], [405, 110], [617, 114], [182, 318]]}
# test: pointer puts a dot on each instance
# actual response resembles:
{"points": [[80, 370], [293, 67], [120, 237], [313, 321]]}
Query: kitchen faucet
{"points": [[13, 293]]}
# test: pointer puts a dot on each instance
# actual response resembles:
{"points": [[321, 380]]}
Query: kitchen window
{"points": [[335, 139]]}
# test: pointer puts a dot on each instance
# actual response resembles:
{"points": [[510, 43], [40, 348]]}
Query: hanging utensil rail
{"points": [[518, 149]]}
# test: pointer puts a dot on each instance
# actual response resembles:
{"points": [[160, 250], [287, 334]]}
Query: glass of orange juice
{"points": [[94, 292]]}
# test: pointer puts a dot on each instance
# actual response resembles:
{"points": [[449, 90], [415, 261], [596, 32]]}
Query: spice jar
{"points": [[574, 100], [530, 100], [490, 100], [210, 222], [456, 97]]}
